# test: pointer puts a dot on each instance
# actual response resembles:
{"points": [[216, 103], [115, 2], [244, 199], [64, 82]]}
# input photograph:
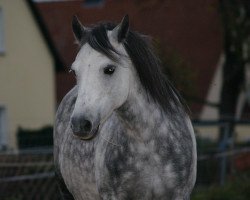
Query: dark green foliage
{"points": [[236, 189], [205, 146], [207, 169], [35, 138]]}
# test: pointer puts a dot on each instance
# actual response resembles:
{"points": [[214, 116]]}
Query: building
{"points": [[27, 97], [191, 29]]}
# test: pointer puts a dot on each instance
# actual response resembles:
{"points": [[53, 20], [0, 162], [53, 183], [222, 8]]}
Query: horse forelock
{"points": [[145, 61], [97, 38]]}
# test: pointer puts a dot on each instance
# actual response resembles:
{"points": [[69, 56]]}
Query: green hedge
{"points": [[35, 138]]}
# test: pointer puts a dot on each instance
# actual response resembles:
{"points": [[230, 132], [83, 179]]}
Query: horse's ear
{"points": [[120, 32], [78, 29]]}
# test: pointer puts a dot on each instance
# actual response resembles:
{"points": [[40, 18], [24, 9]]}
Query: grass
{"points": [[238, 188]]}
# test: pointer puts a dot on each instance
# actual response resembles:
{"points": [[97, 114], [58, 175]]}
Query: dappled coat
{"points": [[122, 132]]}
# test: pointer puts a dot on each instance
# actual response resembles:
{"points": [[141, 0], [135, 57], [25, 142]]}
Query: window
{"points": [[93, 3], [2, 47], [3, 128]]}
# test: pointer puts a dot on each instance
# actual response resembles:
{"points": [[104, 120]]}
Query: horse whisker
{"points": [[110, 141]]}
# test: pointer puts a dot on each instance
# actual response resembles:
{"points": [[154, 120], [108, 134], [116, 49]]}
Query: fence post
{"points": [[222, 148]]}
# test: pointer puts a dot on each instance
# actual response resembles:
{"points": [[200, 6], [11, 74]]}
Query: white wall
{"points": [[26, 71]]}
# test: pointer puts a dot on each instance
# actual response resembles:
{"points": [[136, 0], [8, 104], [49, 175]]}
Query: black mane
{"points": [[145, 62]]}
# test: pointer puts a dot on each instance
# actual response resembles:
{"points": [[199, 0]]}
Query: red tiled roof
{"points": [[192, 28]]}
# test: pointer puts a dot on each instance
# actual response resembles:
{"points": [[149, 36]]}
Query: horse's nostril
{"points": [[87, 126], [80, 125]]}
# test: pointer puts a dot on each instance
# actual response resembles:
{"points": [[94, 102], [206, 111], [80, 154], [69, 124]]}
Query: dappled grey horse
{"points": [[122, 132]]}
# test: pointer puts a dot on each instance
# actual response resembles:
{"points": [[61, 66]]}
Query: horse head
{"points": [[103, 81]]}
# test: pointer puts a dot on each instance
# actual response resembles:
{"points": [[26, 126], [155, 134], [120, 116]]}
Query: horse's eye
{"points": [[110, 69], [73, 71]]}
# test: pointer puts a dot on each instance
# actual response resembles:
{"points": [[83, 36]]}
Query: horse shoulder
{"points": [[61, 122]]}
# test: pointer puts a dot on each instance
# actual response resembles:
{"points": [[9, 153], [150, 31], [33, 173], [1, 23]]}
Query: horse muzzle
{"points": [[83, 128]]}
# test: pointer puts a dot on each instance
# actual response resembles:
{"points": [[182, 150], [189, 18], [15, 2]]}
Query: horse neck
{"points": [[142, 115]]}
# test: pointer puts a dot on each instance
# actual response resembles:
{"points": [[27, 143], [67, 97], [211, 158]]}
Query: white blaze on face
{"points": [[99, 93]]}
